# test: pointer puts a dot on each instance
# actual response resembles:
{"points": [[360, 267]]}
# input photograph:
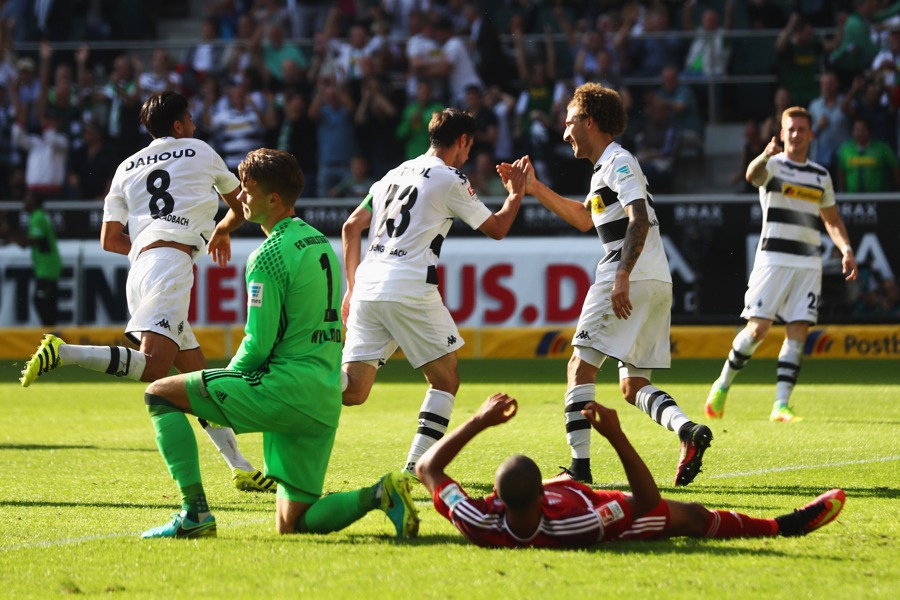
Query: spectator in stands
{"points": [[413, 126], [487, 49], [92, 166], [421, 49], [596, 61], [800, 55], [246, 48], [308, 17], [649, 54], [754, 144], [351, 56], [27, 89], [484, 176], [160, 78], [866, 164], [123, 95], [485, 122], [45, 162], [237, 127], [356, 184], [709, 50], [657, 146], [10, 159], [771, 127], [61, 97], [333, 108], [275, 51], [375, 120], [203, 105], [503, 106], [298, 134], [831, 125], [867, 100], [682, 107], [534, 107], [455, 63], [206, 58], [857, 49]]}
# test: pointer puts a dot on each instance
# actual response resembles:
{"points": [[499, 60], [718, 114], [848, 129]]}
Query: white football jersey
{"points": [[413, 207], [791, 199], [617, 182], [167, 191]]}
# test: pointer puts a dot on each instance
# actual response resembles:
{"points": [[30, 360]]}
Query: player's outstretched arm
{"points": [[756, 170], [219, 246], [498, 224], [497, 409], [572, 212], [643, 487], [834, 225]]}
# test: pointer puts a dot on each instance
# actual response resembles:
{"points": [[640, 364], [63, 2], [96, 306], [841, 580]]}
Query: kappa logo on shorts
{"points": [[164, 323], [221, 396], [451, 339], [583, 335], [255, 295]]}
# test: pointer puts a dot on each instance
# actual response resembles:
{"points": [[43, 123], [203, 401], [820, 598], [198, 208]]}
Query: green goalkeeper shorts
{"points": [[296, 447]]}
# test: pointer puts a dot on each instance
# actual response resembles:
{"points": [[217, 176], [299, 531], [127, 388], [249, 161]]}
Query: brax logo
{"points": [[451, 339], [164, 323]]}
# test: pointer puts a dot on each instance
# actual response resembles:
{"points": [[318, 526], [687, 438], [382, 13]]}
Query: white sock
{"points": [[742, 348], [578, 428], [113, 360], [225, 441], [661, 407], [434, 417], [788, 369]]}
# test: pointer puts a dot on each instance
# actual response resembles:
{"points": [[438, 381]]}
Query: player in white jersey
{"points": [[168, 195], [392, 295], [626, 314], [786, 281]]}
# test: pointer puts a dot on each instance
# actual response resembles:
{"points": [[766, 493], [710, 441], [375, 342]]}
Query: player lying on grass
{"points": [[524, 511]]}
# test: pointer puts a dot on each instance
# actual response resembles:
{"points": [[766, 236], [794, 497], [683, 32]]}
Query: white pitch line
{"points": [[803, 467]]}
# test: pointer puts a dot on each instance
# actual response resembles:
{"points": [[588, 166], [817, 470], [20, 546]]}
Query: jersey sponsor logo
{"points": [[625, 173], [800, 192], [255, 295], [161, 157], [597, 205], [451, 495], [611, 512]]}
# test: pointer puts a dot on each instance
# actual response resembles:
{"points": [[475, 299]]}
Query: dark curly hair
{"points": [[603, 105], [160, 111]]}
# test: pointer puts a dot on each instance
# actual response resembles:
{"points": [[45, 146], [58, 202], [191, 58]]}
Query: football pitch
{"points": [[81, 478]]}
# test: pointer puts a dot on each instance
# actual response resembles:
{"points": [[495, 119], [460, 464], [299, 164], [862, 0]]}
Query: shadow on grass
{"points": [[71, 447]]}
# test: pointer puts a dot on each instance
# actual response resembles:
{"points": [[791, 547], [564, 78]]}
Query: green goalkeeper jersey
{"points": [[292, 341]]}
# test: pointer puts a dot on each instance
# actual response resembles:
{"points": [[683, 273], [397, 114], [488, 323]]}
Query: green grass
{"points": [[81, 478]]}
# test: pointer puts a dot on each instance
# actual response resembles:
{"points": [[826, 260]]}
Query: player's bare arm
{"points": [[834, 225], [219, 246], [351, 238], [645, 493], [633, 245], [114, 239], [496, 410], [756, 170], [572, 212], [498, 224]]}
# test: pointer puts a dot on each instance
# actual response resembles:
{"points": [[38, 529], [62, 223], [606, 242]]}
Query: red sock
{"points": [[729, 524]]}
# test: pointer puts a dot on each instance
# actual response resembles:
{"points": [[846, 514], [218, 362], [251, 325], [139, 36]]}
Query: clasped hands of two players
{"points": [[500, 408]]}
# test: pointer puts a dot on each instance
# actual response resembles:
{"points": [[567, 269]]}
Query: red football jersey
{"points": [[574, 515]]}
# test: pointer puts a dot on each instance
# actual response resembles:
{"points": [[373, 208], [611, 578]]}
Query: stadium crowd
{"points": [[347, 87]]}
